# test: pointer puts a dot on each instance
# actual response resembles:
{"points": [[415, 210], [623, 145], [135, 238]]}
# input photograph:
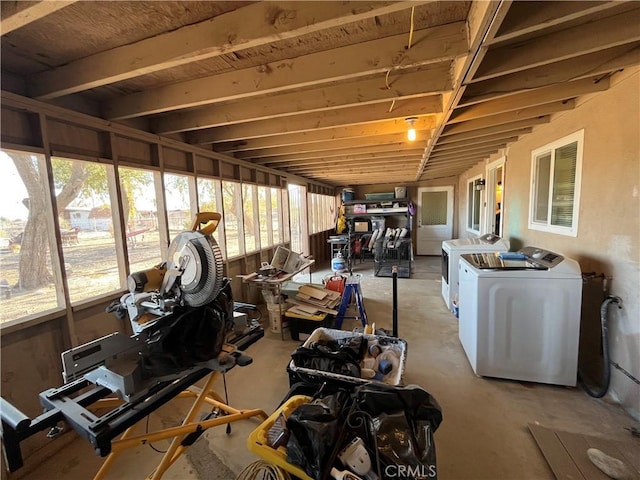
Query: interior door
{"points": [[435, 219]]}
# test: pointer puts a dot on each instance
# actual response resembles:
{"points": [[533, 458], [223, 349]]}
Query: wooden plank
{"points": [[19, 14], [454, 141], [313, 292], [538, 96], [367, 157], [247, 27], [555, 453], [460, 147], [406, 146], [394, 138], [529, 17], [610, 449], [429, 80], [529, 122], [432, 45], [568, 43], [577, 447], [585, 66], [392, 161], [631, 452], [328, 135], [319, 308], [319, 120], [509, 117]]}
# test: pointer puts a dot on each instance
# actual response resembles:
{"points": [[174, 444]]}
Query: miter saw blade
{"points": [[201, 258]]}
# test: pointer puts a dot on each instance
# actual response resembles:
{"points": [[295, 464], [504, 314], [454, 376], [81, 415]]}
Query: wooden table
{"points": [[274, 283]]}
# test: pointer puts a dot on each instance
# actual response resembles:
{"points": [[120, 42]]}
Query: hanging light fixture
{"points": [[411, 133]]}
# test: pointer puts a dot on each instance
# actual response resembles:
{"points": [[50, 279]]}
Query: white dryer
{"points": [[520, 315], [451, 251]]}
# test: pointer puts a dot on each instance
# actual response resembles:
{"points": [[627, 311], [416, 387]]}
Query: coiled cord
{"points": [[261, 470]]}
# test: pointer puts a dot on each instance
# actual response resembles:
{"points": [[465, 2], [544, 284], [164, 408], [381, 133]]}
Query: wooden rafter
{"points": [[18, 14], [247, 27], [432, 45]]}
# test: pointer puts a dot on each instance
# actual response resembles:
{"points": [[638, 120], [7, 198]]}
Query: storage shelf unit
{"points": [[387, 253]]}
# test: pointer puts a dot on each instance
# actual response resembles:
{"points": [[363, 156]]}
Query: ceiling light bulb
{"points": [[411, 133]]}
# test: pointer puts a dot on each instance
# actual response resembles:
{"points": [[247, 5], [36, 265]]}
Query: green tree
{"points": [[72, 179]]}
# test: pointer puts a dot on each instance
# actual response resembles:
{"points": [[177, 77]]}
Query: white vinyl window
{"points": [[555, 185], [474, 204]]}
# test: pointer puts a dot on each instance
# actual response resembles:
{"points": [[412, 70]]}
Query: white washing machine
{"points": [[520, 315], [451, 251]]}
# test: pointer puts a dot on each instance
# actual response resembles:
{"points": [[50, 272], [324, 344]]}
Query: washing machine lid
{"points": [[488, 242]]}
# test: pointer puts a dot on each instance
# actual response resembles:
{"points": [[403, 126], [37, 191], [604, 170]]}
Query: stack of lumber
{"points": [[311, 300]]}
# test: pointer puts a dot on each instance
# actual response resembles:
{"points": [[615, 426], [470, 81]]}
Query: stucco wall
{"points": [[608, 239]]}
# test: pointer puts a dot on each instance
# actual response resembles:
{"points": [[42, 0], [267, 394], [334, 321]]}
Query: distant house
{"points": [[88, 219]]}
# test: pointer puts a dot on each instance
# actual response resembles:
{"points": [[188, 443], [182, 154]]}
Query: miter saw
{"points": [[180, 312]]}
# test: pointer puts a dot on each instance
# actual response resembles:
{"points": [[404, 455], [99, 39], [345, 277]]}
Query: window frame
{"points": [[471, 206], [551, 148]]}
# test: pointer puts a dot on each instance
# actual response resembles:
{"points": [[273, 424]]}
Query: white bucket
{"points": [[276, 316]]}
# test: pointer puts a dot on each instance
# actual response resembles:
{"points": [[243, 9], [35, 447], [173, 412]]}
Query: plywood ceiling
{"points": [[322, 89]]}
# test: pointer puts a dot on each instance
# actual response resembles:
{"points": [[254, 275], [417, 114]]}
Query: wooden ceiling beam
{"points": [[371, 163], [509, 117], [585, 66], [526, 18], [248, 27], [320, 120], [463, 138], [395, 138], [348, 158], [19, 14], [327, 135], [394, 147], [572, 42], [431, 45], [472, 146], [427, 81], [464, 155], [538, 96], [530, 122], [354, 175]]}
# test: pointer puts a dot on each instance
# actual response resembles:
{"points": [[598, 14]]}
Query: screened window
{"points": [[264, 210], [87, 227], [140, 209], [210, 200], [276, 220], [232, 216], [179, 195], [249, 209], [28, 283], [555, 185], [474, 204]]}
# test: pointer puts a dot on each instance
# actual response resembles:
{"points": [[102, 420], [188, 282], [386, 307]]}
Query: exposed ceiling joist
{"points": [[398, 154], [464, 139], [18, 14], [613, 31], [401, 85], [506, 127], [328, 135], [598, 63], [509, 117], [469, 153], [320, 120], [534, 17], [257, 24], [432, 45], [388, 162], [378, 141], [538, 96], [440, 149], [392, 147]]}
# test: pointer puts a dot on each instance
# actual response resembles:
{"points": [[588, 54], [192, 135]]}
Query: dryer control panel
{"points": [[541, 256]]}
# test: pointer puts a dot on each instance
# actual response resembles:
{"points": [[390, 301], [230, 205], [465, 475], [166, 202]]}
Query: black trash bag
{"points": [[402, 422], [313, 429], [341, 357]]}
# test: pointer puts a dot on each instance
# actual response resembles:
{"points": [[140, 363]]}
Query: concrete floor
{"points": [[484, 432]]}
